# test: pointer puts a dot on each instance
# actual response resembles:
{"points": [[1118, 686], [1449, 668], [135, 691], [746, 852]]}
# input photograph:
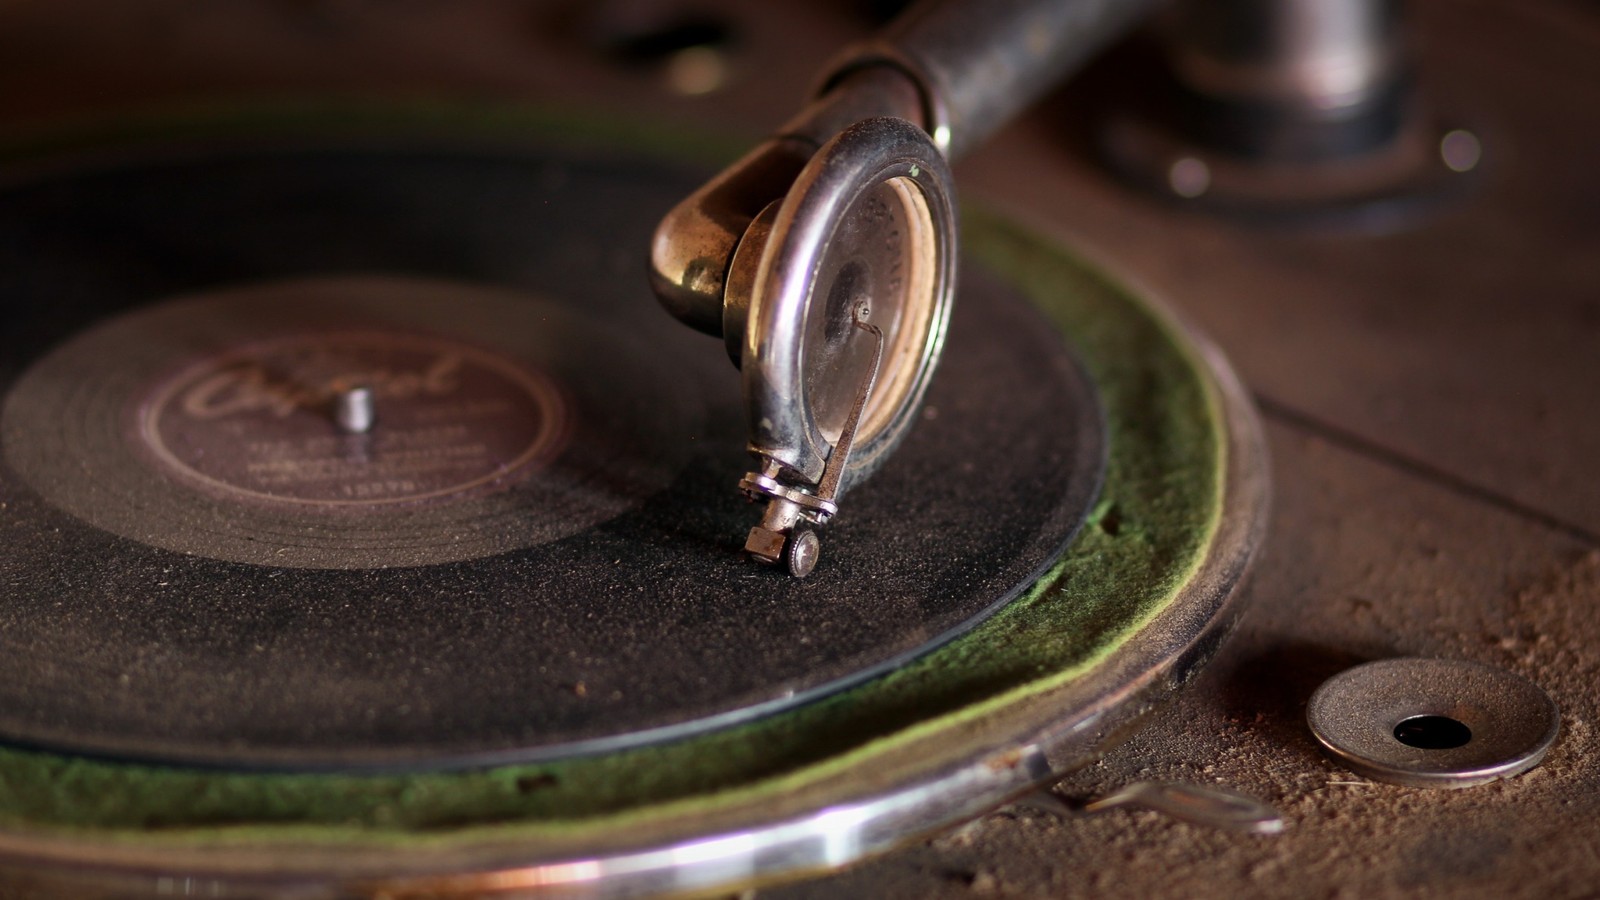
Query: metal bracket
{"points": [[785, 533]]}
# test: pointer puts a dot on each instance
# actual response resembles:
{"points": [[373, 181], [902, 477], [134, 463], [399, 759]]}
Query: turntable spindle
{"points": [[354, 410]]}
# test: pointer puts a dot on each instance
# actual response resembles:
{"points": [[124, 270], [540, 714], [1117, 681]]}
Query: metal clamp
{"points": [[779, 536]]}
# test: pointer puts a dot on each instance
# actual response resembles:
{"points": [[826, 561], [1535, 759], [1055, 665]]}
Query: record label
{"points": [[207, 424], [258, 423]]}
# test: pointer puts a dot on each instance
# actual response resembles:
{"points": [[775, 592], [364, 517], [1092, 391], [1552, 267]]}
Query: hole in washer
{"points": [[1432, 733]]}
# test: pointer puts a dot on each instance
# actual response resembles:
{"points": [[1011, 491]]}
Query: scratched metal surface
{"points": [[1429, 396]]}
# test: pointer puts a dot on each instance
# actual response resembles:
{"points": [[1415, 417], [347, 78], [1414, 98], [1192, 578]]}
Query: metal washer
{"points": [[1355, 714]]}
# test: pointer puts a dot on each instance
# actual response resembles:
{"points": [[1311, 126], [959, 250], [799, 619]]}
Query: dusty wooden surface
{"points": [[1432, 399]]}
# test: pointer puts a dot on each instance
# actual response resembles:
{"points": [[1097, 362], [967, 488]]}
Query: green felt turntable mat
{"points": [[1158, 511]]}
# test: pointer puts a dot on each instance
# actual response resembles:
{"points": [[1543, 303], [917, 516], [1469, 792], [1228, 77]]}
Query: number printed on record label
{"points": [[263, 421]]}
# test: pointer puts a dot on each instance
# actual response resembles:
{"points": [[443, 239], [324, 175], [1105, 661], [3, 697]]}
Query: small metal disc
{"points": [[1433, 722], [803, 551]]}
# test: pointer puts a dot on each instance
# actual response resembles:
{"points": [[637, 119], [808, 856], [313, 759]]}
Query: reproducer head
{"points": [[825, 258]]}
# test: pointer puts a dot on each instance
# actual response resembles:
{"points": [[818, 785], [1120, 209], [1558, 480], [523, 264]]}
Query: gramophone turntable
{"points": [[371, 530]]}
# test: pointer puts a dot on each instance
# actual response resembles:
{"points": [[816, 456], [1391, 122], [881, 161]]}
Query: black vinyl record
{"points": [[534, 550]]}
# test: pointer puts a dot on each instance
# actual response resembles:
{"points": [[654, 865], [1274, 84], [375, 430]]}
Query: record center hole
{"points": [[1432, 733]]}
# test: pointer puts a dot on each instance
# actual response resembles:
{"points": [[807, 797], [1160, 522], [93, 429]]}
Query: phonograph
{"points": [[375, 526]]}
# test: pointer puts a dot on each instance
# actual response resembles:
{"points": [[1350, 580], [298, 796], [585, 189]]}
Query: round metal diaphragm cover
{"points": [[870, 218]]}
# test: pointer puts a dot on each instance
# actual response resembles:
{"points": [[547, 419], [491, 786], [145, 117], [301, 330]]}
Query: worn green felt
{"points": [[1158, 511]]}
